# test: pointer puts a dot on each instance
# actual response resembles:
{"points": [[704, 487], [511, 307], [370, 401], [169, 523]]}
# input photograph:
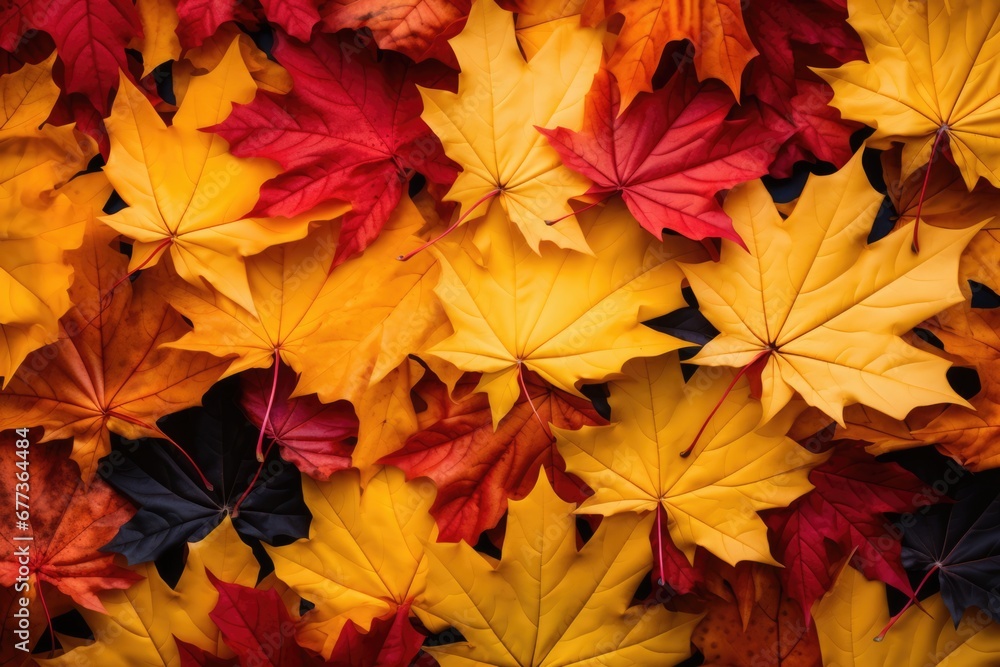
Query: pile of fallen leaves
{"points": [[583, 332]]}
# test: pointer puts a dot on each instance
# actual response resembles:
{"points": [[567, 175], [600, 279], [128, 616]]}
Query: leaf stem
{"points": [[915, 247], [236, 508], [659, 543], [270, 403], [585, 208], [156, 251], [453, 227], [909, 603], [164, 436], [743, 371], [524, 388]]}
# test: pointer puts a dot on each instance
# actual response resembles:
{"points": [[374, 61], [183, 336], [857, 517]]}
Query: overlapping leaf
{"points": [[821, 309]]}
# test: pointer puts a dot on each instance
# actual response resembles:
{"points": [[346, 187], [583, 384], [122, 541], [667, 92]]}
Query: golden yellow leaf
{"points": [[821, 306], [931, 68], [546, 603], [186, 193], [342, 330], [159, 42], [386, 416], [267, 74], [488, 127], [710, 497], [851, 615], [39, 222], [365, 552], [565, 315]]}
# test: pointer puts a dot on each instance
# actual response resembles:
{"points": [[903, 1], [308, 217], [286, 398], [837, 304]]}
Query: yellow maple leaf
{"points": [[545, 602], [932, 72], [853, 613], [143, 621], [565, 315], [821, 309], [40, 222], [711, 497], [488, 127], [342, 330], [365, 553], [185, 192]]}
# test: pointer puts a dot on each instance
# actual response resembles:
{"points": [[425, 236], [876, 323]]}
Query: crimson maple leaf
{"points": [[853, 491], [256, 625], [199, 19], [317, 437], [350, 129], [790, 38], [90, 36], [669, 153], [478, 470]]}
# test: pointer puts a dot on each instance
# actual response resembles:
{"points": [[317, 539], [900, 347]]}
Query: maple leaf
{"points": [[486, 127], [255, 624], [198, 20], [545, 603], [314, 436], [714, 28], [107, 372], [917, 100], [791, 36], [261, 497], [477, 469], [197, 212], [852, 614], [968, 435], [830, 316], [957, 543], [40, 223], [343, 328], [946, 202], [90, 36], [267, 74], [668, 154], [773, 634], [525, 311], [159, 42], [68, 523], [390, 642], [709, 498], [852, 492], [364, 557], [350, 130], [141, 623], [536, 20], [419, 29]]}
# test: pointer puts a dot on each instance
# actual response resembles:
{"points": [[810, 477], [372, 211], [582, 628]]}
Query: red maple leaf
{"points": [[256, 625], [350, 129], [68, 522], [790, 38], [318, 438], [478, 470], [199, 19], [843, 513], [669, 153], [390, 642], [90, 36]]}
